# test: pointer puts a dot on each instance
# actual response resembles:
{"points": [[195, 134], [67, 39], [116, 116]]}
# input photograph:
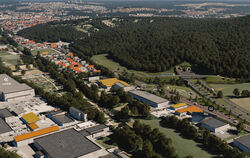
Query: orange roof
{"points": [[39, 45], [53, 45], [96, 71], [71, 54], [91, 66], [31, 41], [36, 133], [189, 109], [33, 126], [60, 63]]}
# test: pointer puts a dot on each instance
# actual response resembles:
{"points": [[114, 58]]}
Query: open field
{"points": [[114, 66], [9, 58], [243, 102], [34, 52], [184, 147], [227, 89], [219, 80]]}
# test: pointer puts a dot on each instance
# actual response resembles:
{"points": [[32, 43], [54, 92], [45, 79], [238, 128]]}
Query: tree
{"points": [[236, 92], [220, 94], [240, 127], [23, 72]]}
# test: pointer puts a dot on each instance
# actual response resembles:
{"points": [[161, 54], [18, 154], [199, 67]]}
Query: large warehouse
{"points": [[69, 144], [214, 125], [11, 90], [243, 143], [149, 98]]}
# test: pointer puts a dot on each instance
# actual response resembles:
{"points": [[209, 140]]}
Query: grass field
{"points": [[243, 102], [183, 146], [227, 89], [9, 58], [114, 66], [34, 52], [184, 91], [104, 142]]}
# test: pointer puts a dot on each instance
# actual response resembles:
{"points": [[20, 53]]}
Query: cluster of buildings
{"points": [[69, 61], [36, 129]]}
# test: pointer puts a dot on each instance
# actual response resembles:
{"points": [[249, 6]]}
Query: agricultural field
{"points": [[227, 89], [9, 59], [184, 147]]}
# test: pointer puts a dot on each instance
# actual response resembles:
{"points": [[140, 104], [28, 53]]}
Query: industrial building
{"points": [[178, 106], [69, 144], [11, 90], [188, 110], [243, 143], [5, 129], [149, 98], [108, 83], [98, 131], [60, 118], [77, 114], [214, 125]]}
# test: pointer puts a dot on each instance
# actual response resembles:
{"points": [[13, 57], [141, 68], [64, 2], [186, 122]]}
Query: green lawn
{"points": [[183, 146], [227, 89], [105, 142]]}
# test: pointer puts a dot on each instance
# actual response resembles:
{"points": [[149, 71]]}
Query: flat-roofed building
{"points": [[5, 113], [214, 125], [2, 47], [11, 90], [4, 127], [69, 144], [151, 99], [243, 143], [178, 106], [98, 131]]}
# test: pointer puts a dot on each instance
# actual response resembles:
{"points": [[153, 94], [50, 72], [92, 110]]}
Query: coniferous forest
{"points": [[212, 46]]}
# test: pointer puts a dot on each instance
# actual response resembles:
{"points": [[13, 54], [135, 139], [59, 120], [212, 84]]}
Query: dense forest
{"points": [[5, 39], [51, 33], [212, 46]]}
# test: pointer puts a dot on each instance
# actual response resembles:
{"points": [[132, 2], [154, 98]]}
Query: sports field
{"points": [[34, 52], [184, 147]]}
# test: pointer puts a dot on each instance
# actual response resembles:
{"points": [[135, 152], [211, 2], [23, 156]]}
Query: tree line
{"points": [[243, 93]]}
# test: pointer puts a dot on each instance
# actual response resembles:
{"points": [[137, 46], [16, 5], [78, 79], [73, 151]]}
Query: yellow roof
{"points": [[36, 133], [111, 81], [178, 105], [45, 53], [33, 126], [30, 118], [190, 109]]}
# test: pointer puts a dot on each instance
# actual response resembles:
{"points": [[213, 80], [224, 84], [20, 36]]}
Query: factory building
{"points": [[5, 129], [77, 114], [60, 118], [243, 143], [11, 90], [188, 110], [149, 98], [98, 131], [178, 106], [214, 125], [69, 144]]}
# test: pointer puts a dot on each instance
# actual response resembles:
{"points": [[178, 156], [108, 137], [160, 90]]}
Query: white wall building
{"points": [[214, 125]]}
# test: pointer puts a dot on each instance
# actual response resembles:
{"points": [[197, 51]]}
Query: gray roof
{"points": [[148, 96], [9, 85], [68, 143], [63, 118], [84, 132], [96, 128], [213, 123], [73, 108], [4, 127], [5, 113], [245, 140]]}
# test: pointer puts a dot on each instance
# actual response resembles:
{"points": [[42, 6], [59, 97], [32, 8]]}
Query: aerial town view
{"points": [[121, 79]]}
